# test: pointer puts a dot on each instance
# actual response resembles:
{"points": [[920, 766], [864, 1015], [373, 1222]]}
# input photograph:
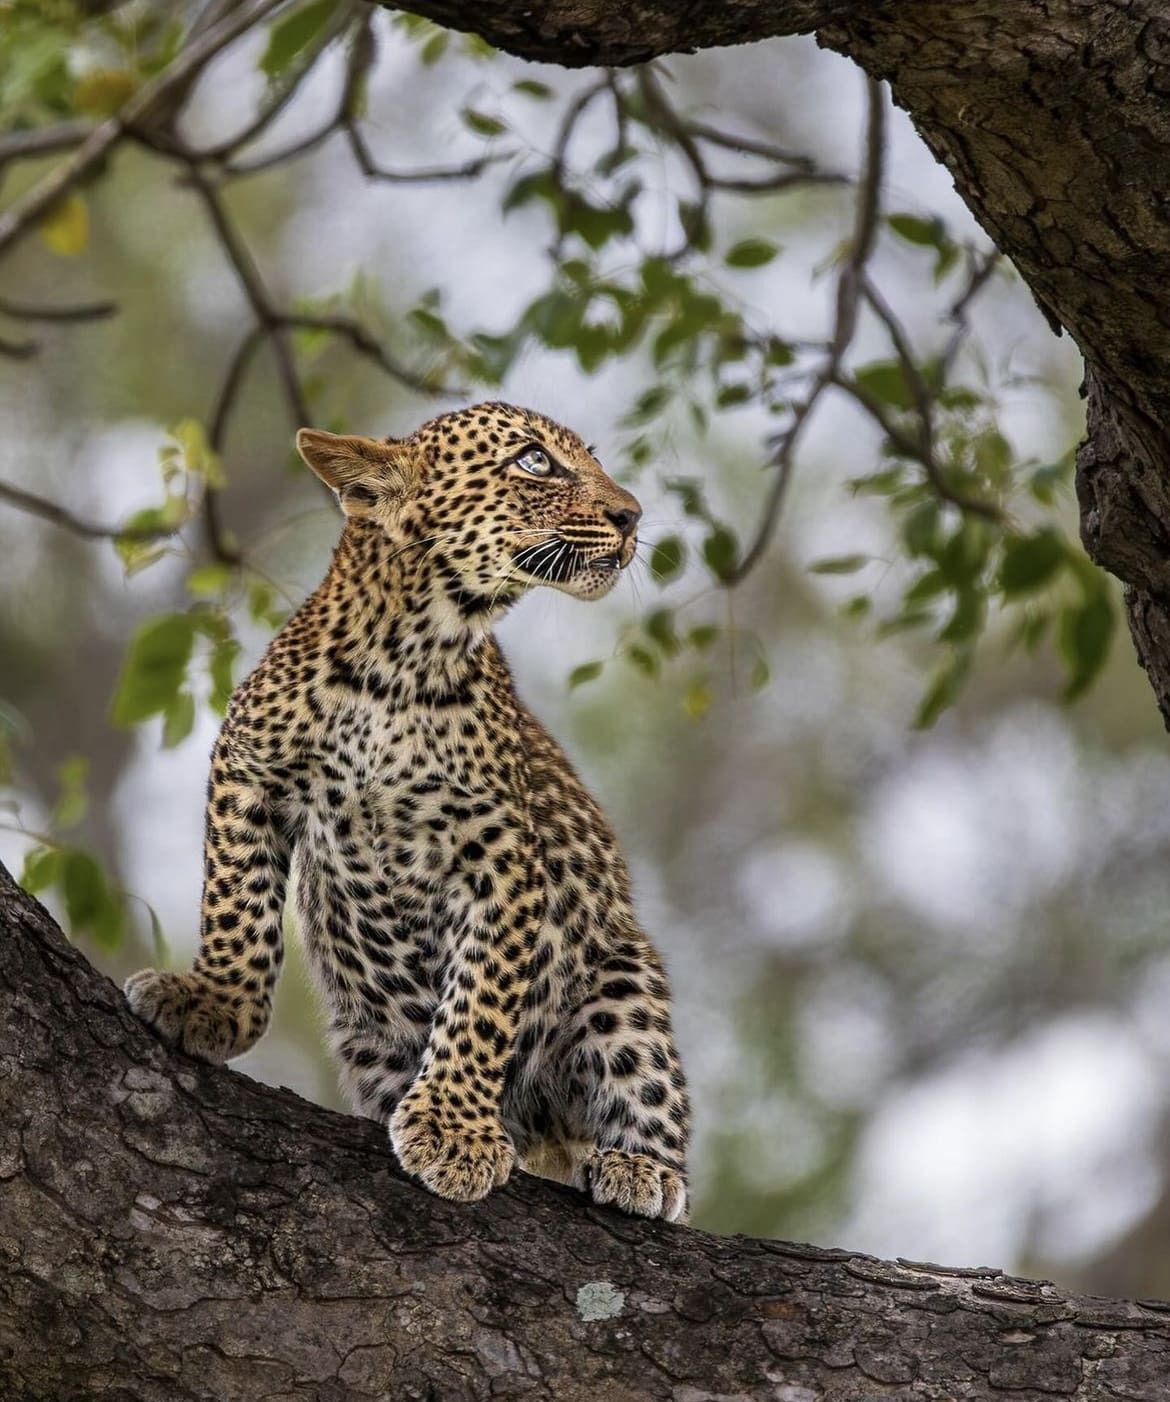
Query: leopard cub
{"points": [[464, 902]]}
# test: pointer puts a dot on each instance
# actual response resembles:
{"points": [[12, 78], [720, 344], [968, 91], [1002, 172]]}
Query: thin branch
{"points": [[59, 516], [16, 221], [369, 167], [43, 141], [360, 339], [774, 184], [910, 447], [19, 350], [919, 390], [35, 311], [256, 294], [980, 272], [850, 282], [921, 451], [751, 146], [288, 89]]}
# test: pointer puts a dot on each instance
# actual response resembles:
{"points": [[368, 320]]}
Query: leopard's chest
{"points": [[406, 788]]}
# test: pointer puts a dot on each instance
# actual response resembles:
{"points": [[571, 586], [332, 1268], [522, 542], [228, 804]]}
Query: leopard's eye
{"points": [[536, 461]]}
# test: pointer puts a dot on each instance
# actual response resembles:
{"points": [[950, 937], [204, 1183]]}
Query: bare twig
{"points": [[36, 311], [979, 274], [18, 350], [774, 184], [424, 174], [256, 294], [850, 282], [43, 141], [16, 221], [751, 146]]}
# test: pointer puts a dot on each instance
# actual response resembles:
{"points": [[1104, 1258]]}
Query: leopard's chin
{"points": [[594, 580]]}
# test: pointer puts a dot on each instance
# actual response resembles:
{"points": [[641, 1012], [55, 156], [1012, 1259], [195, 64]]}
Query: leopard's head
{"points": [[495, 498]]}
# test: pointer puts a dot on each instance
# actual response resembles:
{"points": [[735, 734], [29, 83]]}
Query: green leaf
{"points": [[155, 667], [839, 564], [927, 586], [920, 533], [993, 455], [702, 635], [751, 253], [178, 720], [698, 699], [660, 628], [209, 581], [650, 403], [41, 870], [555, 319], [540, 184], [434, 48], [1086, 630], [293, 33], [885, 380], [91, 906], [73, 800], [1045, 481], [196, 452], [730, 395], [642, 658], [531, 88], [482, 124], [943, 690], [927, 233], [720, 550], [667, 558], [223, 655], [967, 618], [761, 674], [1029, 562], [779, 352], [586, 672]]}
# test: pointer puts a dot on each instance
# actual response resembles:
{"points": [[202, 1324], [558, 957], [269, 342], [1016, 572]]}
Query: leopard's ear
{"points": [[362, 471]]}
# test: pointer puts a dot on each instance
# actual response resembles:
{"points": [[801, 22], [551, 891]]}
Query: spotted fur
{"points": [[464, 903]]}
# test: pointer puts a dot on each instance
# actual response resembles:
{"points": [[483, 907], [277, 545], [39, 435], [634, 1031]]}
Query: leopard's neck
{"points": [[391, 617]]}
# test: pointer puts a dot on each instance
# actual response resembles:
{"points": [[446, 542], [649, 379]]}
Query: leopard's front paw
{"points": [[453, 1157], [191, 1013], [636, 1183]]}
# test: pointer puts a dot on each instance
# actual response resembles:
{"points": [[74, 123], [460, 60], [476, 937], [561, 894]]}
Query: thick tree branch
{"points": [[175, 1231], [579, 33]]}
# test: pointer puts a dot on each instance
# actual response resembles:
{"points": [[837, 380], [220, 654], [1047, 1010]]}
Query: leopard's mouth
{"points": [[557, 561]]}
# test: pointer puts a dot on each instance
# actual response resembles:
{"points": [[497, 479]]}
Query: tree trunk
{"points": [[174, 1231], [1053, 116]]}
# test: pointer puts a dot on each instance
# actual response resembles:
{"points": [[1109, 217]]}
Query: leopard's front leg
{"points": [[221, 1007], [627, 1115], [447, 1129]]}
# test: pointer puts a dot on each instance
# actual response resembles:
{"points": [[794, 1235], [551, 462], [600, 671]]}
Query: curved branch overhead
{"points": [[1052, 117], [171, 1231]]}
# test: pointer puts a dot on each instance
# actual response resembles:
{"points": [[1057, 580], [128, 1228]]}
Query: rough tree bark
{"points": [[1053, 117], [171, 1231]]}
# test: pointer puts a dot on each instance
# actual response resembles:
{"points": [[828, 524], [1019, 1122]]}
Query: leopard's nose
{"points": [[626, 520]]}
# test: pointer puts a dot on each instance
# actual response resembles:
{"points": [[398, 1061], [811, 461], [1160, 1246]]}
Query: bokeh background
{"points": [[922, 977]]}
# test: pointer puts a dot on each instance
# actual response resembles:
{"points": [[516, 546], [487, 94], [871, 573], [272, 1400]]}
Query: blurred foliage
{"points": [[653, 242]]}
